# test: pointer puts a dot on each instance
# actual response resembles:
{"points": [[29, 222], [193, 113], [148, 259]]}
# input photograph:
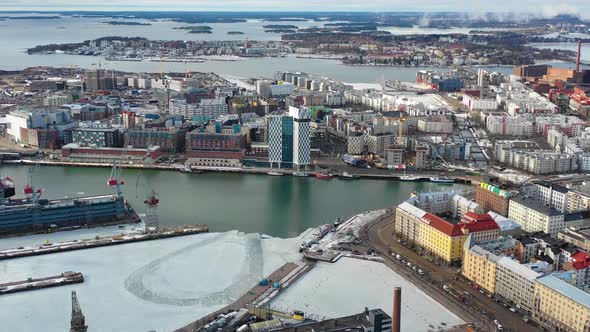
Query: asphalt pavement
{"points": [[477, 308]]}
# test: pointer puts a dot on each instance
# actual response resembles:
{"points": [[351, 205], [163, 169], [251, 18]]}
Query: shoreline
{"points": [[423, 176]]}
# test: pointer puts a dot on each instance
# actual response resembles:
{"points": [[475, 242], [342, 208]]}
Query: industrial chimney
{"points": [[397, 306]]}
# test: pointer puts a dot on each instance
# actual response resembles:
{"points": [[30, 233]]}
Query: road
{"points": [[478, 308]]}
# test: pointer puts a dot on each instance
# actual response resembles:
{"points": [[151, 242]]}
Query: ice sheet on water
{"points": [[350, 285], [160, 285]]}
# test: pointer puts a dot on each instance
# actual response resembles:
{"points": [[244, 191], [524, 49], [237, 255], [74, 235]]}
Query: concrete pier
{"points": [[259, 294], [66, 278], [53, 248]]}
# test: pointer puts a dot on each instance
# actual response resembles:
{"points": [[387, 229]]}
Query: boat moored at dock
{"points": [[300, 174], [324, 176], [274, 173], [409, 178], [436, 179], [349, 176]]}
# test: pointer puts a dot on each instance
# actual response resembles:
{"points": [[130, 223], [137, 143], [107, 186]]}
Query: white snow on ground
{"points": [[349, 285], [159, 285], [363, 86], [239, 82]]}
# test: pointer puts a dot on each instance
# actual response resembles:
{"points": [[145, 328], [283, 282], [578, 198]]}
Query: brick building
{"points": [[215, 149], [169, 140], [492, 198]]}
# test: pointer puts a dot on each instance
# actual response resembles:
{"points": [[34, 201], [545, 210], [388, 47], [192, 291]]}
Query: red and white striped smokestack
{"points": [[578, 56], [397, 306]]}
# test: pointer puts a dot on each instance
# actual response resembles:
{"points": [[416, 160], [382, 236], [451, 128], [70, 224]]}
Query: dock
{"points": [[66, 278], [260, 294], [52, 248], [459, 177]]}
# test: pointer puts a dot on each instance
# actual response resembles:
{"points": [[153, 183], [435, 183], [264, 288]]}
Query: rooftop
{"points": [[411, 209], [359, 322], [518, 268], [555, 187], [532, 203], [442, 225], [565, 289]]}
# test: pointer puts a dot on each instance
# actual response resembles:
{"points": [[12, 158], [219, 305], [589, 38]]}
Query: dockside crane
{"points": [[78, 321], [30, 191], [114, 180], [152, 221]]}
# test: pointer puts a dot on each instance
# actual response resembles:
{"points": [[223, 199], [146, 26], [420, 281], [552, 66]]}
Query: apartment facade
{"points": [[515, 282], [561, 306], [479, 266], [438, 236]]}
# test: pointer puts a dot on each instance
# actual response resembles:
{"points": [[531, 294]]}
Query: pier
{"points": [[52, 248], [66, 278], [259, 294]]}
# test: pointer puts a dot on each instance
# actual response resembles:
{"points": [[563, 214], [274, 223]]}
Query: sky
{"points": [[534, 7]]}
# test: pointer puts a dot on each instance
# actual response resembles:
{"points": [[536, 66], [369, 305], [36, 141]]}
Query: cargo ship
{"points": [[34, 214]]}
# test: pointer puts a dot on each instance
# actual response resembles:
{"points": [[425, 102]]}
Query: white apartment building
{"points": [[539, 162], [301, 136], [435, 125], [460, 205], [509, 126], [516, 282], [479, 104], [533, 216], [552, 195]]}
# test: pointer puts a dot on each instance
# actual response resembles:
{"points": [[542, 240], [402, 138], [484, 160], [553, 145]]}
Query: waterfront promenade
{"points": [[373, 173]]}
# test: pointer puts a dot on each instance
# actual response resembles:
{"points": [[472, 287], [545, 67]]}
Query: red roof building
{"points": [[442, 225], [580, 260]]}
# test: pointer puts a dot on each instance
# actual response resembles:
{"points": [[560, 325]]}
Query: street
{"points": [[476, 308]]}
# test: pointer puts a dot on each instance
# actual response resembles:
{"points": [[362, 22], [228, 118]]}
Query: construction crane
{"points": [[152, 222], [114, 180], [30, 191], [78, 321], [161, 64]]}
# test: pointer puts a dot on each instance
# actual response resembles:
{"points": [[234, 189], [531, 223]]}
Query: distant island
{"points": [[281, 31], [30, 17], [285, 19], [235, 33], [280, 26], [196, 29], [126, 23]]}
